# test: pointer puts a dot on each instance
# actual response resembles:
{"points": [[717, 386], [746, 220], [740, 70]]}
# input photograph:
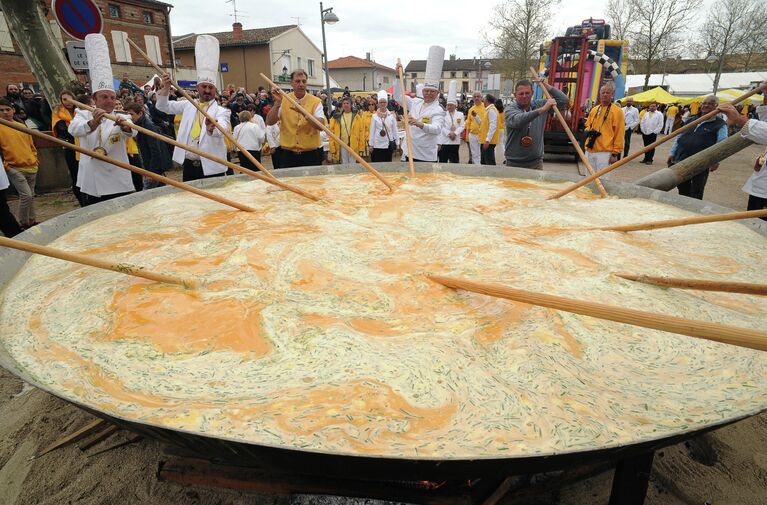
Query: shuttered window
{"points": [[6, 43], [122, 48], [153, 48]]}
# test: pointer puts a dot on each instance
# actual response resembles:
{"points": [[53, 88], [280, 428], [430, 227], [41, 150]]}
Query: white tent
{"points": [[696, 84]]}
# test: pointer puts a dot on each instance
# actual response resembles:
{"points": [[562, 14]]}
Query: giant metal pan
{"points": [[323, 463]]}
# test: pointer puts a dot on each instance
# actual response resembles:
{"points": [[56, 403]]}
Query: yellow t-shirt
{"points": [[611, 125], [672, 111], [18, 150]]}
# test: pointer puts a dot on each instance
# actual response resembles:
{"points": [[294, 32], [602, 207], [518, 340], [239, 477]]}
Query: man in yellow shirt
{"points": [[604, 130], [300, 144], [671, 114], [348, 125], [473, 123], [20, 159]]}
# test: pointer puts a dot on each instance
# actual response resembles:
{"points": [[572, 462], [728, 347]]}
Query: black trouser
{"points": [[649, 139], [90, 199], [694, 187], [487, 156], [757, 203], [8, 224], [73, 165], [448, 153], [627, 142], [138, 179], [193, 171], [415, 160], [246, 163], [289, 159], [381, 155], [276, 157]]}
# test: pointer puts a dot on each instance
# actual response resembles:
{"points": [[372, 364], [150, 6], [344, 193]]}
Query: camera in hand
{"points": [[591, 138]]}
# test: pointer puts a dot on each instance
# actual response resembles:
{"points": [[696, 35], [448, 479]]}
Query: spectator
{"points": [[8, 224], [127, 84], [20, 159], [60, 119], [155, 157], [631, 120], [347, 124], [650, 125], [605, 130], [703, 136], [250, 133]]}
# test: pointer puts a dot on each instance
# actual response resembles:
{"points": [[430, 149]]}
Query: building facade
{"points": [[361, 74], [471, 74], [274, 51], [145, 22]]}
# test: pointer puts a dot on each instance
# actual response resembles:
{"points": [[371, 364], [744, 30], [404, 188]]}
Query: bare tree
{"points": [[726, 31], [517, 28], [658, 28], [756, 43], [622, 17]]}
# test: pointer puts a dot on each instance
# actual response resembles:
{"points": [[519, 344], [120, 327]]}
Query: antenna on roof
{"points": [[237, 13], [298, 20]]}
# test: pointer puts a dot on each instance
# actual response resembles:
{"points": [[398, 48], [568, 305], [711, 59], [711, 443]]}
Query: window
{"points": [[452, 74], [56, 29], [148, 19], [6, 43], [310, 67], [441, 85], [414, 75], [114, 11], [386, 79], [465, 87], [466, 74], [153, 48], [298, 62], [122, 49]]}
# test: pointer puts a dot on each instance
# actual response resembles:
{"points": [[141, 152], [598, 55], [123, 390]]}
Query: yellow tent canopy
{"points": [[655, 95], [726, 95]]}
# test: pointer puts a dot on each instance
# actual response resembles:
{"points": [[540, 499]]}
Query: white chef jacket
{"points": [[95, 177], [387, 125], [4, 182], [273, 135], [652, 122], [424, 140], [631, 117], [251, 134], [456, 120], [212, 143], [757, 131]]}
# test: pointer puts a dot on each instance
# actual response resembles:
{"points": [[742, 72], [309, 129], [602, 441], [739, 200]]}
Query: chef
{"points": [[450, 136], [195, 129], [99, 180], [426, 115]]}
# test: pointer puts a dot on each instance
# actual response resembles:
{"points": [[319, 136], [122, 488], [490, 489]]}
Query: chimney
{"points": [[237, 31], [452, 57], [367, 56]]}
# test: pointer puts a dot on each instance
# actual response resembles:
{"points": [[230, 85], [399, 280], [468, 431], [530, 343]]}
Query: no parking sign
{"points": [[78, 18]]}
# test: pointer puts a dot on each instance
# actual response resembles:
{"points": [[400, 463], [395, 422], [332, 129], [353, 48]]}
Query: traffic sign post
{"points": [[78, 18]]}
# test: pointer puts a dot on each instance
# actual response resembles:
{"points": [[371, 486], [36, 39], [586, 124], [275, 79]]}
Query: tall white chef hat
{"points": [[419, 90], [434, 67], [382, 95], [206, 54], [452, 93], [98, 63]]}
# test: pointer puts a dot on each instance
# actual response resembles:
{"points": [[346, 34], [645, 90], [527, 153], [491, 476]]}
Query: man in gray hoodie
{"points": [[525, 119]]}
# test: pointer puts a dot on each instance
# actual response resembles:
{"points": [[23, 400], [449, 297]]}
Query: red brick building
{"points": [[145, 22]]}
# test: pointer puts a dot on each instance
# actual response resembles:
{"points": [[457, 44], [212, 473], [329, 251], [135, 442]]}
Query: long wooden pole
{"points": [[699, 284], [671, 223], [126, 166], [570, 135], [207, 155], [405, 116], [330, 133], [744, 337], [224, 131], [123, 268], [655, 144]]}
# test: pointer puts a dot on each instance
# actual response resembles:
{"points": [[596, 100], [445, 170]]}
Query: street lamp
{"points": [[329, 17]]}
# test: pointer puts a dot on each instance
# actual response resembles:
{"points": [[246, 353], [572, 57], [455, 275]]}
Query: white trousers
{"points": [[669, 125], [346, 157], [599, 161], [474, 146]]}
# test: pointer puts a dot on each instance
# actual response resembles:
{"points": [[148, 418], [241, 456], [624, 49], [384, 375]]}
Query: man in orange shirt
{"points": [[20, 159], [604, 130]]}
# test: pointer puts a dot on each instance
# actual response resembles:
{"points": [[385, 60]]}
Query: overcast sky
{"points": [[375, 27]]}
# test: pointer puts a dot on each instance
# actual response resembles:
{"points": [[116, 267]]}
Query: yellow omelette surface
{"points": [[316, 328]]}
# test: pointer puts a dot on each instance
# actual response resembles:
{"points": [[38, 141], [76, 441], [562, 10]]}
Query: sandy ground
{"points": [[727, 466]]}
